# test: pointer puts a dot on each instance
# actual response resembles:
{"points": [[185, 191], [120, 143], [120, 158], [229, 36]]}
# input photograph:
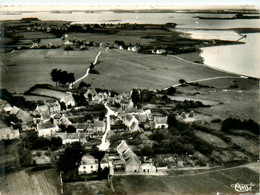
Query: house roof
{"points": [[134, 126], [14, 110], [133, 160], [99, 124], [24, 116], [128, 154], [160, 119], [42, 109], [67, 98], [72, 136], [88, 159], [6, 130], [46, 125], [54, 104], [128, 118], [141, 118], [122, 147]]}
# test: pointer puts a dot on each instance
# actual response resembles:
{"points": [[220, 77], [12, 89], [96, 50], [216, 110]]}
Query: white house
{"points": [[132, 123], [46, 129], [99, 126], [128, 157], [8, 133], [54, 107], [43, 109], [68, 100], [147, 168], [89, 164], [160, 122]]}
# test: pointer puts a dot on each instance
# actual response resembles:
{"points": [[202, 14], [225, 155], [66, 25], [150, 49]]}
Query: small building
{"points": [[14, 110], [147, 168], [90, 93], [89, 164], [128, 157], [24, 116], [44, 109], [46, 129], [8, 133], [126, 104], [99, 126], [160, 122], [54, 107], [68, 100]]}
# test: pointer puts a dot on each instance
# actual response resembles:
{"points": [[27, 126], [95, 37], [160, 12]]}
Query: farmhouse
{"points": [[89, 164]]}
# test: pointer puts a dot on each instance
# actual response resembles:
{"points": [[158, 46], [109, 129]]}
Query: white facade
{"points": [[47, 130], [89, 165], [147, 168]]}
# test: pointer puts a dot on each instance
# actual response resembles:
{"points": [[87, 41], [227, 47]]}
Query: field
{"points": [[89, 187], [36, 35], [202, 183], [29, 67], [211, 139], [248, 145], [40, 183]]}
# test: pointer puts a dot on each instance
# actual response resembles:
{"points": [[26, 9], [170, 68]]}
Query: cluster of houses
{"points": [[126, 161], [47, 118]]}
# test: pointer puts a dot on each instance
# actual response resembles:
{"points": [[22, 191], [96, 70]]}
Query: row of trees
{"points": [[232, 123], [62, 77]]}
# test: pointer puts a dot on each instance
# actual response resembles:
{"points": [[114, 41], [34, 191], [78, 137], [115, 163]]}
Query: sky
{"points": [[130, 2]]}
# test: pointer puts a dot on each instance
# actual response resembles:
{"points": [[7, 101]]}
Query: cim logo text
{"points": [[243, 187]]}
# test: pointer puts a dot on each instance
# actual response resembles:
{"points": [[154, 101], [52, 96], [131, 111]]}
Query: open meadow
{"points": [[129, 69]]}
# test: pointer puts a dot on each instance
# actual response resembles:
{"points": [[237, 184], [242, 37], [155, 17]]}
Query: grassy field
{"points": [[36, 35], [211, 139], [40, 183], [202, 183], [248, 145], [29, 67]]}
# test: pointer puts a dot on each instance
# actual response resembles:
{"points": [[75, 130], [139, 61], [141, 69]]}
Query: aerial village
{"points": [[145, 132]]}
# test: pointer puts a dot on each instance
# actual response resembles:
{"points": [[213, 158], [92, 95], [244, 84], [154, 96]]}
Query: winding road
{"points": [[87, 72]]}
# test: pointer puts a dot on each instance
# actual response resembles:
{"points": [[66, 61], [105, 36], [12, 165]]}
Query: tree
{"points": [[171, 121], [71, 157], [83, 84], [55, 77], [63, 77], [182, 81], [147, 151], [56, 142], [62, 105], [98, 154], [70, 77], [70, 129], [135, 96], [171, 90]]}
